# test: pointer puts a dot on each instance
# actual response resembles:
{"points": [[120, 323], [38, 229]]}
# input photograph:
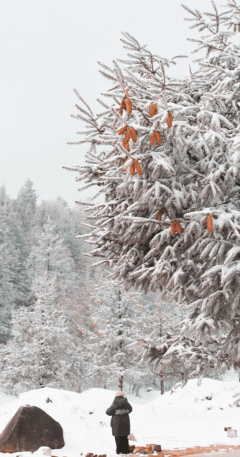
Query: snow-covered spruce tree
{"points": [[66, 224], [50, 252], [41, 351], [117, 320], [169, 168], [26, 204], [15, 237], [20, 223], [153, 346], [9, 266]]}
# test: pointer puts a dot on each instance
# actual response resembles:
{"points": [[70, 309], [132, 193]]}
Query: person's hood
{"points": [[120, 400]]}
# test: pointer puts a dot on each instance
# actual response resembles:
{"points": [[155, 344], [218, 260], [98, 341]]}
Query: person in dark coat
{"points": [[120, 422]]}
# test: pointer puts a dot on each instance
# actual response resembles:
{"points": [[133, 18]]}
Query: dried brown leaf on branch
{"points": [[134, 134], [209, 223], [123, 104], [169, 119], [152, 138], [137, 166], [158, 138], [178, 226], [173, 228], [132, 169], [151, 109], [160, 213], [125, 144], [127, 135], [128, 105], [122, 130]]}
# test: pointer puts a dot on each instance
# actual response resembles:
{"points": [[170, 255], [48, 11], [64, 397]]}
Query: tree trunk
{"points": [[120, 383], [162, 386], [120, 317]]}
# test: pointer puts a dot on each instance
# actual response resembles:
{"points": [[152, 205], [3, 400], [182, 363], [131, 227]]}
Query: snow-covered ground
{"points": [[184, 418]]}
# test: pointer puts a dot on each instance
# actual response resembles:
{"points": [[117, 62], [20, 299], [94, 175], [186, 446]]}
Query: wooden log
{"points": [[153, 447]]}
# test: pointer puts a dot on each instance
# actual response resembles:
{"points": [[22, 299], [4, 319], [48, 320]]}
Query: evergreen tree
{"points": [[41, 352], [66, 225], [171, 369], [9, 265], [117, 320], [154, 348], [18, 216], [170, 174], [14, 237], [50, 252], [26, 204], [25, 207]]}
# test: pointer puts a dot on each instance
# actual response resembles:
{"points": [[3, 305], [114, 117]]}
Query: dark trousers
{"points": [[122, 445]]}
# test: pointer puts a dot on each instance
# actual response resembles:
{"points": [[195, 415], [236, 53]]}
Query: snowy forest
{"points": [[142, 288], [64, 324]]}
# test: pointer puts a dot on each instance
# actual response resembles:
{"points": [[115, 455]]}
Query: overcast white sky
{"points": [[49, 47]]}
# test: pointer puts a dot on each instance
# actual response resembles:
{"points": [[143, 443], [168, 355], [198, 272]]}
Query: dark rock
{"points": [[131, 447], [90, 454], [29, 429]]}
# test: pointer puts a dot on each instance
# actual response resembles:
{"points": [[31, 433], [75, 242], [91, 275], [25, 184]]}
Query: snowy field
{"points": [[185, 418]]}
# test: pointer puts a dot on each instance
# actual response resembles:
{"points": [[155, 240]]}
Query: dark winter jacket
{"points": [[119, 410]]}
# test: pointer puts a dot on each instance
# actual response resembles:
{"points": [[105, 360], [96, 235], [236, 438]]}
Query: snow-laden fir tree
{"points": [[66, 224], [50, 252], [171, 220], [9, 267], [18, 214], [154, 344], [26, 204], [41, 351], [118, 318], [21, 224]]}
